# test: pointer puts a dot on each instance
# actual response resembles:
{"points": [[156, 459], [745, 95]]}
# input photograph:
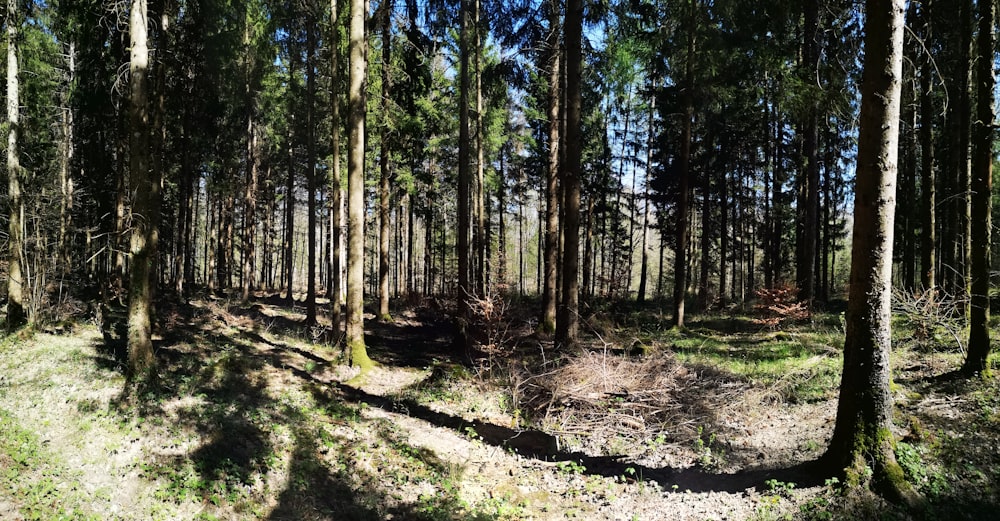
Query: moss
{"points": [[547, 327], [359, 356], [387, 318]]}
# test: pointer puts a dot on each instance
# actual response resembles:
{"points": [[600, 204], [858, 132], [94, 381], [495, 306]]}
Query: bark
{"points": [[928, 210], [355, 327], [66, 188], [567, 321], [336, 221], [383, 183], [644, 253], [809, 214], [141, 364], [311, 173], [16, 312], [548, 322], [250, 190], [481, 239], [681, 245], [289, 241], [982, 192], [464, 169], [862, 437]]}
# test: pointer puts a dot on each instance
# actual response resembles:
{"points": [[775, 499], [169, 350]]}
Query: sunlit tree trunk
{"points": [[66, 187], [357, 49], [141, 363], [383, 182], [862, 438], [311, 173], [982, 194], [548, 322], [336, 196], [16, 312], [464, 167]]}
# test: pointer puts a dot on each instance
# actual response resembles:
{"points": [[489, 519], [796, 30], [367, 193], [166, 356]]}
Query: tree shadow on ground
{"points": [[214, 392]]}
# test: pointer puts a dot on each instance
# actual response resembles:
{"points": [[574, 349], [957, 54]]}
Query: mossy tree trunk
{"points": [[863, 437]]}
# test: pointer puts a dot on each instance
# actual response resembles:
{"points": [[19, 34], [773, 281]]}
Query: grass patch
{"points": [[44, 488]]}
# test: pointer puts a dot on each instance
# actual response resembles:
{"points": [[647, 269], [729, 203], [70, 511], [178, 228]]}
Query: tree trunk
{"points": [[383, 182], [548, 322], [311, 173], [681, 245], [567, 322], [928, 258], [481, 241], [16, 312], [982, 193], [862, 437], [289, 264], [355, 328], [65, 170], [644, 261], [336, 221], [810, 202], [141, 363]]}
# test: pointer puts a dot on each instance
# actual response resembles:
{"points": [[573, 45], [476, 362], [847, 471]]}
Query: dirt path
{"points": [[254, 424]]}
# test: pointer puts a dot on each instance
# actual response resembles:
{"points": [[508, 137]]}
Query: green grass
{"points": [[803, 362], [44, 488]]}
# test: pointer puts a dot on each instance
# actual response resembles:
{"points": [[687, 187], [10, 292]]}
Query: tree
{"points": [[548, 322], [567, 322], [311, 170], [16, 314], [464, 167], [982, 194], [681, 242], [385, 20], [335, 189], [141, 362], [357, 50], [862, 437]]}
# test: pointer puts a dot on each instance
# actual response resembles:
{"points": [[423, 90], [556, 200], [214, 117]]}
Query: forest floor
{"points": [[256, 417]]}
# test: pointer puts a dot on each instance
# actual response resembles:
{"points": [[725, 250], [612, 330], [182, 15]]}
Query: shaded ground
{"points": [[254, 420]]}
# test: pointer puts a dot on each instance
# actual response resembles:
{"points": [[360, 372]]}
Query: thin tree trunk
{"points": [[548, 322], [982, 193], [65, 170], [383, 183], [680, 254], [336, 222], [809, 208], [16, 312], [928, 257], [311, 173]]}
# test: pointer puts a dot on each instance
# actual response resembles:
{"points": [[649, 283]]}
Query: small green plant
{"points": [[571, 467], [707, 458], [780, 487]]}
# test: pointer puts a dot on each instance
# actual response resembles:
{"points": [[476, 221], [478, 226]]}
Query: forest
{"points": [[485, 259]]}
